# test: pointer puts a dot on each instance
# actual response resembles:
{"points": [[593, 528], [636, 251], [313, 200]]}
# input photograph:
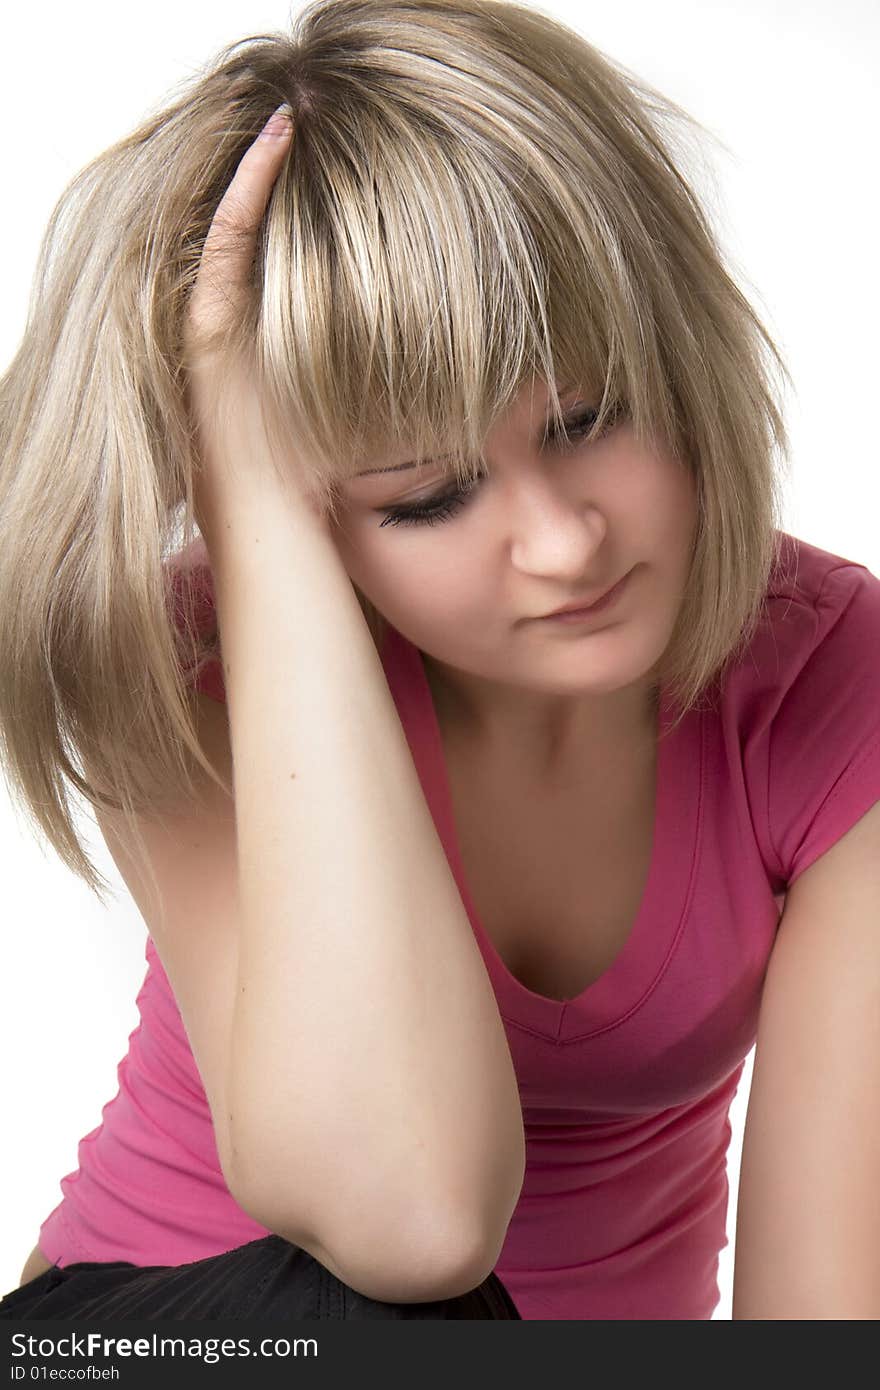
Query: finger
{"points": [[229, 249]]}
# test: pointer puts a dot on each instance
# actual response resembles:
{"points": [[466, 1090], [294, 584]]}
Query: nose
{"points": [[553, 533]]}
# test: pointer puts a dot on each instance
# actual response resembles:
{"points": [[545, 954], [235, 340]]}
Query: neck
{"points": [[543, 737]]}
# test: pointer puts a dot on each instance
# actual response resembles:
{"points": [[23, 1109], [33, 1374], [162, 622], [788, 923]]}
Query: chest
{"points": [[557, 876]]}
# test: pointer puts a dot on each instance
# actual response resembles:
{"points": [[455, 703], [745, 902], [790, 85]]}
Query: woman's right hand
{"points": [[235, 453]]}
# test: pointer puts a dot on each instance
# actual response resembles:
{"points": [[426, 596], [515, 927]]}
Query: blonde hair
{"points": [[474, 196]]}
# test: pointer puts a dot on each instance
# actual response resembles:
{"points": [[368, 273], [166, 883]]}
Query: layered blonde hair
{"points": [[475, 196]]}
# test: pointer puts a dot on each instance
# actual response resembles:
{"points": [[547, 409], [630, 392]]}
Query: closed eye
{"points": [[430, 511]]}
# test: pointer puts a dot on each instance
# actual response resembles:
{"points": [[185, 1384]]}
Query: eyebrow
{"points": [[395, 468], [414, 463]]}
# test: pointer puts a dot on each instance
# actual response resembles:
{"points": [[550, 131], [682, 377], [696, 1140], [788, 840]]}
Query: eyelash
{"points": [[436, 509]]}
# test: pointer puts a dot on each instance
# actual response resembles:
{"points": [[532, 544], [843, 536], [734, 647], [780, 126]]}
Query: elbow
{"points": [[392, 1247], [428, 1266], [453, 1247], [432, 1256], [423, 1260]]}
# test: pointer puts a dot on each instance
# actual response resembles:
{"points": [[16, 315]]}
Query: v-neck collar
{"points": [[662, 914]]}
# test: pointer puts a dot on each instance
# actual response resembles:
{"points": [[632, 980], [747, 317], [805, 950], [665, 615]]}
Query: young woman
{"points": [[463, 914]]}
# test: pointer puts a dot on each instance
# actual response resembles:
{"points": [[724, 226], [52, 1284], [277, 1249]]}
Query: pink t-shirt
{"points": [[625, 1089]]}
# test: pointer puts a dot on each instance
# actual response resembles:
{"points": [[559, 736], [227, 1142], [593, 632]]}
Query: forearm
{"points": [[370, 1078]]}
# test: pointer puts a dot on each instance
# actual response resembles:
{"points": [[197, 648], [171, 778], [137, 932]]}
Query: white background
{"points": [[786, 86]]}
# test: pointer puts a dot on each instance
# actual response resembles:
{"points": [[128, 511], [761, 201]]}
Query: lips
{"points": [[581, 605]]}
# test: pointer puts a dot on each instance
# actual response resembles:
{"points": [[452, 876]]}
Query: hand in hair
{"points": [[232, 445]]}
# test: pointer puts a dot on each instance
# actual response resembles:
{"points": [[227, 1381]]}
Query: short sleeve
{"points": [[824, 761], [190, 596]]}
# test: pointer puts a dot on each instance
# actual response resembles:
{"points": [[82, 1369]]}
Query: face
{"points": [[546, 524]]}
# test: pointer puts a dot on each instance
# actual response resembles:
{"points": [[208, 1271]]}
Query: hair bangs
{"points": [[412, 286]]}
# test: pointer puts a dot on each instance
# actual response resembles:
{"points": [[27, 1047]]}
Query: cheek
{"points": [[669, 501], [681, 522], [402, 571], [432, 578], [686, 500]]}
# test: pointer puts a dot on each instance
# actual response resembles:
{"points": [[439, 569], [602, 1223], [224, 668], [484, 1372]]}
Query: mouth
{"points": [[575, 611]]}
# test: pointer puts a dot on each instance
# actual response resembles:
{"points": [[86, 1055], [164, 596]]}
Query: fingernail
{"points": [[279, 124]]}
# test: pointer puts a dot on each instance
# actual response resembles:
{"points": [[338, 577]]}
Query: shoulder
{"points": [[803, 705], [819, 629], [819, 652]]}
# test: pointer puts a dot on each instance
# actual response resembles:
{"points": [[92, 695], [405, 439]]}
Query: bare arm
{"points": [[371, 1096], [369, 1065]]}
